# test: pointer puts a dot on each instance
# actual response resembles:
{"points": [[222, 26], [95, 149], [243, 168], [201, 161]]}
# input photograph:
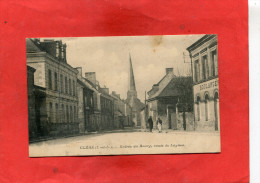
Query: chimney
{"points": [[169, 70], [64, 53], [79, 70], [106, 90], [91, 76]]}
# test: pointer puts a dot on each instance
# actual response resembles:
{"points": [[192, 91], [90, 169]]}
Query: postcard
{"points": [[123, 95]]}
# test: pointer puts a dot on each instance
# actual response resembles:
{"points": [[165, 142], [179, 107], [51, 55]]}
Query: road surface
{"points": [[129, 142]]}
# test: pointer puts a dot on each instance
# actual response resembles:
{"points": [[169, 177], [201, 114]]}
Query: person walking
{"points": [[159, 125], [150, 122]]}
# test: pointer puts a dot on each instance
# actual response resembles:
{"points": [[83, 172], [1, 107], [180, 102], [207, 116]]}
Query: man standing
{"points": [[159, 123], [150, 122]]}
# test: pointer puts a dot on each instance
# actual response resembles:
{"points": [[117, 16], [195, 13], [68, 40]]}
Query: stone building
{"points": [[163, 100], [33, 131], [122, 111], [57, 107], [86, 104], [107, 109], [204, 57], [132, 99], [102, 117]]}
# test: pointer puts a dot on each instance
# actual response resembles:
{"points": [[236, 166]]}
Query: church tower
{"points": [[132, 99], [131, 90]]}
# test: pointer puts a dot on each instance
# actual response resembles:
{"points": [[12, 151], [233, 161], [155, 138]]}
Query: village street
{"points": [[129, 141]]}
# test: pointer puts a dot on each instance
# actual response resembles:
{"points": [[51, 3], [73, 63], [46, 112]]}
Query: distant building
{"points": [[163, 101], [204, 56], [55, 79], [107, 109], [103, 116], [86, 107], [135, 104], [122, 112]]}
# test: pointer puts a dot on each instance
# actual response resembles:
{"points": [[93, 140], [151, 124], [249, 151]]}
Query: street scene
{"points": [[123, 95]]}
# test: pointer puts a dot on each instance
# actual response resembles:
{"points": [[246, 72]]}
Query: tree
{"points": [[183, 85]]}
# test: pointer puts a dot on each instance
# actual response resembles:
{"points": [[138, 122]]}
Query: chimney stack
{"points": [[91, 76], [79, 70], [106, 90], [169, 70]]}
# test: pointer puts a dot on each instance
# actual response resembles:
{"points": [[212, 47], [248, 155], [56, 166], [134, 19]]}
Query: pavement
{"points": [[129, 141]]}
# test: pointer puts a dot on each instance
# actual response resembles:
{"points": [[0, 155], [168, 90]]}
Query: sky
{"points": [[109, 58]]}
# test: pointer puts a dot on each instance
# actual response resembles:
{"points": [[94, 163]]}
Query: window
{"points": [[73, 88], [66, 85], [204, 67], [50, 79], [206, 107], [56, 81], [69, 86], [214, 63], [86, 100], [61, 83], [57, 113], [196, 70], [91, 101]]}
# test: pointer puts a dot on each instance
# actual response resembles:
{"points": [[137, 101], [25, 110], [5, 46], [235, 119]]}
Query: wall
{"points": [[80, 109], [189, 116]]}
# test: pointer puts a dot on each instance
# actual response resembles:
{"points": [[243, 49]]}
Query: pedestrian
{"points": [[150, 122], [159, 125]]}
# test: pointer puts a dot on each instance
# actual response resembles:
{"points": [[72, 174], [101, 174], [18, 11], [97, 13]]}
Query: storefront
{"points": [[204, 62], [206, 105]]}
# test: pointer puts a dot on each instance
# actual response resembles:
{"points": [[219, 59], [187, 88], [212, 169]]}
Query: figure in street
{"points": [[150, 122], [159, 124]]}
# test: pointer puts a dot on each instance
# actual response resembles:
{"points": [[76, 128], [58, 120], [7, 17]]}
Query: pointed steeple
{"points": [[131, 76]]}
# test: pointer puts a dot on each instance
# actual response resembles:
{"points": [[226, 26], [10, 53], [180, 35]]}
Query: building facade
{"points": [[97, 105], [204, 57], [33, 131], [57, 110], [163, 102]]}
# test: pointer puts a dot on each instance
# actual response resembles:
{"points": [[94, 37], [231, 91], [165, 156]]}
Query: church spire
{"points": [[131, 76]]}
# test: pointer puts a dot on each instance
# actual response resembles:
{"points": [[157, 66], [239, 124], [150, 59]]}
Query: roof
{"points": [[87, 83], [167, 87], [31, 46], [201, 41], [161, 85], [84, 85]]}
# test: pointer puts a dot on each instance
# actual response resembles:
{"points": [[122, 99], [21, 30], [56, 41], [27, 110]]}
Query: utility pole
{"points": [[191, 82]]}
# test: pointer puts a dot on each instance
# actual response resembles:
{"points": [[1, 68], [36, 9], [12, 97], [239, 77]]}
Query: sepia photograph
{"points": [[123, 95]]}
